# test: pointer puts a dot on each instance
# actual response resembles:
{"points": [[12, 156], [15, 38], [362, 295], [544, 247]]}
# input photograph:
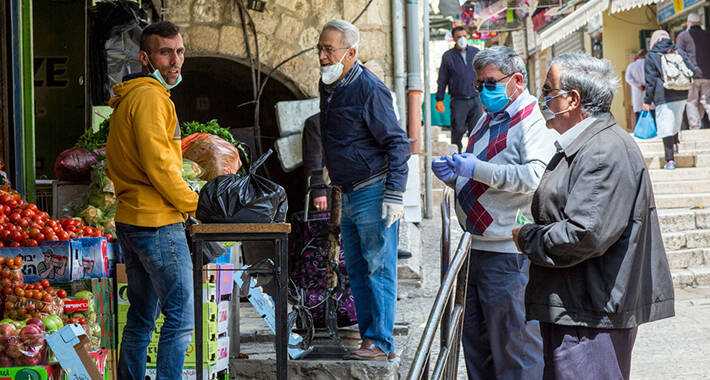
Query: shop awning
{"points": [[570, 23], [625, 5]]}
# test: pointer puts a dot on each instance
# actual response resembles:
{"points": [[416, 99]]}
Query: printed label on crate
{"points": [[223, 312], [94, 256], [31, 373], [56, 261], [75, 306]]}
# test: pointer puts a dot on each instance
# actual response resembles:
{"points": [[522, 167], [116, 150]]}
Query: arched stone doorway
{"points": [[214, 86]]}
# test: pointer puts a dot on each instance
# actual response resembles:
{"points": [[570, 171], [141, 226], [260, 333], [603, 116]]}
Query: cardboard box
{"points": [[224, 309], [225, 282], [94, 257], [57, 261], [69, 347], [222, 353], [49, 372]]}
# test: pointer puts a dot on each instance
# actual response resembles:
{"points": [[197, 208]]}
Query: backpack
{"points": [[676, 74]]}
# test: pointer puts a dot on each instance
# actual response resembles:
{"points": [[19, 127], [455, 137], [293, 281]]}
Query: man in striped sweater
{"points": [[507, 153]]}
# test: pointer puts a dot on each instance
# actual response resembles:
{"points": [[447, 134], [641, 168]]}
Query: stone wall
{"points": [[213, 28]]}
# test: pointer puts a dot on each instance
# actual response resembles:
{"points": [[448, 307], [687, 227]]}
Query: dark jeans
{"points": [[464, 115], [580, 353], [669, 147], [497, 341], [159, 270]]}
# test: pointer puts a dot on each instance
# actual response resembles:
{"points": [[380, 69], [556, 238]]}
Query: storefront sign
{"points": [[671, 8]]}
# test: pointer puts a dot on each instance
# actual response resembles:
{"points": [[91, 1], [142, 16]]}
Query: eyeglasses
{"points": [[328, 50], [490, 84], [546, 91]]}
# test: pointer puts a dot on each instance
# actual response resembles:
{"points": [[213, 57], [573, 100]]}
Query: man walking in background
{"points": [[456, 72], [695, 43], [637, 81]]}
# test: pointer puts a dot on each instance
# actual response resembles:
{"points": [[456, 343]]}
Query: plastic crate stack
{"points": [[217, 294]]}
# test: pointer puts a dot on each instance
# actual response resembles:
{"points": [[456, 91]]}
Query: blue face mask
{"points": [[495, 100], [159, 77]]}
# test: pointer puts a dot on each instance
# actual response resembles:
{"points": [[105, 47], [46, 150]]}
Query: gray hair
{"points": [[350, 32], [502, 57], [593, 78]]}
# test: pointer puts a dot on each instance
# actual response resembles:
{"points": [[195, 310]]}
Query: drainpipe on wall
{"points": [[414, 77], [398, 59], [428, 192]]}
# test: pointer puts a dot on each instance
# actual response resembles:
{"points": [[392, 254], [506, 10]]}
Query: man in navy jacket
{"points": [[366, 153], [456, 72]]}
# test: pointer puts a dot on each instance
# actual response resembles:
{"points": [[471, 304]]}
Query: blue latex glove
{"points": [[442, 168], [464, 164]]}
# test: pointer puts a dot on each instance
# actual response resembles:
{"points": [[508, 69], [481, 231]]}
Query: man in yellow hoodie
{"points": [[144, 163]]}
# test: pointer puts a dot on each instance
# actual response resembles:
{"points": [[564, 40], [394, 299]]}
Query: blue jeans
{"points": [[159, 269], [497, 341], [371, 260]]}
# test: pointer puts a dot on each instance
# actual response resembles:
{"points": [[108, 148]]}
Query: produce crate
{"points": [[104, 306], [49, 372], [56, 261], [211, 373], [47, 196]]}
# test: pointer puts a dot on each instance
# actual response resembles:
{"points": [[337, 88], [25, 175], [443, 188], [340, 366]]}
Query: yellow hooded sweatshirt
{"points": [[144, 156]]}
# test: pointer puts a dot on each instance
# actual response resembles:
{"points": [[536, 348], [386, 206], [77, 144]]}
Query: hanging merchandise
{"points": [[115, 28], [243, 198]]}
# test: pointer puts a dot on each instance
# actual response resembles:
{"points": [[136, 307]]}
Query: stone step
{"points": [[691, 277], [681, 187], [688, 258], [685, 137], [677, 220], [692, 147], [686, 239], [680, 174], [681, 161], [688, 200]]}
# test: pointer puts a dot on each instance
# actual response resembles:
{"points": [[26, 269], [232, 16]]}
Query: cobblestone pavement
{"points": [[675, 348]]}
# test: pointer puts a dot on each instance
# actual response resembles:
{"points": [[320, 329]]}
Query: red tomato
{"points": [[15, 217], [14, 244], [27, 213], [44, 283], [24, 223], [62, 235], [17, 236], [61, 293]]}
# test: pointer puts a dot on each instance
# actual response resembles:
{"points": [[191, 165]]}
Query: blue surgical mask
{"points": [[497, 99], [159, 77]]}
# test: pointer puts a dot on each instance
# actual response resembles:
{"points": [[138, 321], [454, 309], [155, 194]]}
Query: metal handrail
{"points": [[448, 309]]}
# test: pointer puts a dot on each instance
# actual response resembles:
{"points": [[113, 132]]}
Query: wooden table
{"points": [[274, 232]]}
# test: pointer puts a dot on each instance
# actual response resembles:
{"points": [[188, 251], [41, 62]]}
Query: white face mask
{"points": [[462, 42], [331, 73], [158, 76], [549, 114]]}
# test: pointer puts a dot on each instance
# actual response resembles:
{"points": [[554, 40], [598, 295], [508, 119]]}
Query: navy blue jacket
{"points": [[361, 135], [457, 74]]}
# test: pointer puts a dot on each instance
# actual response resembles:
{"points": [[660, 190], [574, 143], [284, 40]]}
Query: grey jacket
{"points": [[596, 250]]}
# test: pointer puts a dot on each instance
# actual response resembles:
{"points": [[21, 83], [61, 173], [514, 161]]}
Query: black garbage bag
{"points": [[243, 198]]}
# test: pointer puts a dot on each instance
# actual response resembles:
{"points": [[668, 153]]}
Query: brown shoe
{"points": [[371, 353]]}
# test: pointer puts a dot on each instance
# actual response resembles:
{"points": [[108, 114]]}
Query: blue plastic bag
{"points": [[645, 126]]}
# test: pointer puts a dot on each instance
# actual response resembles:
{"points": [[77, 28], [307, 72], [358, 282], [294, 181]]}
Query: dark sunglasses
{"points": [[490, 84]]}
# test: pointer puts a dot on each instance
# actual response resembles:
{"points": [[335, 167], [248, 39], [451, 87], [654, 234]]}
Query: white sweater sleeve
{"points": [[535, 149]]}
